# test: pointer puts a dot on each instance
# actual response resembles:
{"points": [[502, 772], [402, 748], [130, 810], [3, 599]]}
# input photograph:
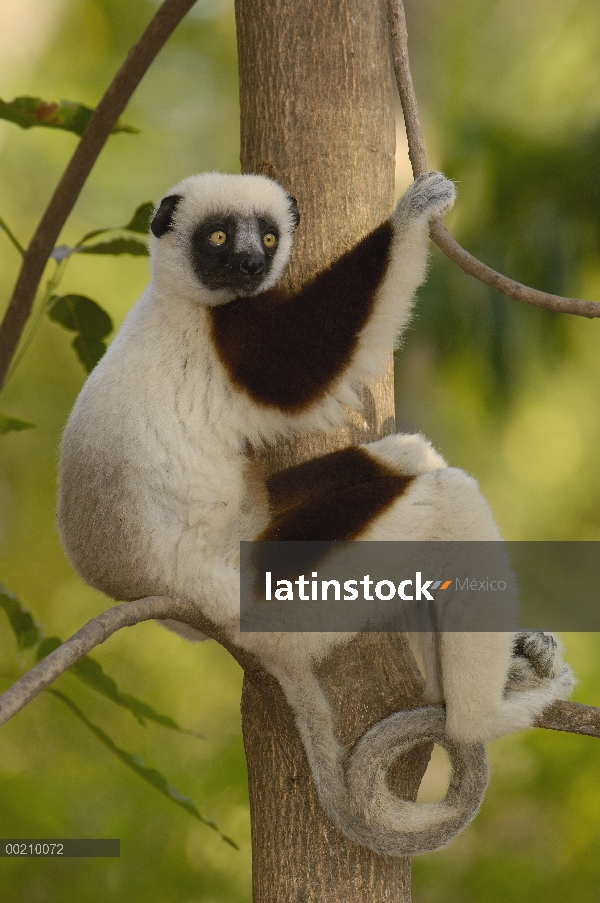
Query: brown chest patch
{"points": [[285, 350]]}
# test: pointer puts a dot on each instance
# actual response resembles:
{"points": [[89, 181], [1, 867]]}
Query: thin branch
{"points": [[408, 98], [99, 629], [474, 267], [90, 635], [12, 237], [438, 232], [104, 117], [571, 717]]}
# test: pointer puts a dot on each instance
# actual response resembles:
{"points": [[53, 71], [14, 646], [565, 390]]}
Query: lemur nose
{"points": [[252, 264]]}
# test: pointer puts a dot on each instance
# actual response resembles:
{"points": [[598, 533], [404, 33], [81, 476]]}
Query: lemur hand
{"points": [[431, 194]]}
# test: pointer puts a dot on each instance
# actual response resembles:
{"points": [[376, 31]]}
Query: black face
{"points": [[234, 252]]}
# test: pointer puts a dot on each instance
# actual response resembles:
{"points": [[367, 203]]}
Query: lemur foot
{"points": [[537, 661], [536, 678], [431, 194]]}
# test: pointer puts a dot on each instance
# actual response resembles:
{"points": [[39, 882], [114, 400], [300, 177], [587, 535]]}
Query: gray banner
{"points": [[419, 586], [56, 849]]}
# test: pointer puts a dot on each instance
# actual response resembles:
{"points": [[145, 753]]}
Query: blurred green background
{"points": [[510, 97]]}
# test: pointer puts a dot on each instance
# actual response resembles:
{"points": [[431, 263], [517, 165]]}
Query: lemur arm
{"points": [[289, 351]]}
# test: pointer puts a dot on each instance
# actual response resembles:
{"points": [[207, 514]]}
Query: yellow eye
{"points": [[269, 240], [218, 237]]}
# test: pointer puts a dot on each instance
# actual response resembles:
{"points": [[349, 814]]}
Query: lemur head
{"points": [[219, 237]]}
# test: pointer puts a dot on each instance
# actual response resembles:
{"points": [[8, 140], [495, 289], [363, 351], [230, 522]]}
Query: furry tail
{"points": [[353, 788]]}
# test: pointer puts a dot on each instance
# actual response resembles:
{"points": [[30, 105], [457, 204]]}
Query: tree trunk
{"points": [[317, 116]]}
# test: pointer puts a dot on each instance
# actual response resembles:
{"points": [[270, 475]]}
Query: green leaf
{"points": [[66, 115], [116, 246], [88, 320], [91, 672], [27, 632], [151, 775], [89, 350], [9, 424], [81, 314], [46, 647], [140, 221]]}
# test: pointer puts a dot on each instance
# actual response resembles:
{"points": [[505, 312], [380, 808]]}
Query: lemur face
{"points": [[234, 252], [223, 237]]}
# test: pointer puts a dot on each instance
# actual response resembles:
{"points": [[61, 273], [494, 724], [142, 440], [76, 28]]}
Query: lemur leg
{"points": [[492, 683]]}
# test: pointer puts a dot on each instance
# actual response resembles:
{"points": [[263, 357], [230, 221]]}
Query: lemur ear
{"points": [[294, 211], [162, 220]]}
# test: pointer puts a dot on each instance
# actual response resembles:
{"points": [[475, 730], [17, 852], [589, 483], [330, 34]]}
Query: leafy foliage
{"points": [[116, 246], [91, 672], [61, 783], [151, 775], [11, 424], [29, 634], [91, 323], [81, 314], [140, 221], [66, 115], [25, 629]]}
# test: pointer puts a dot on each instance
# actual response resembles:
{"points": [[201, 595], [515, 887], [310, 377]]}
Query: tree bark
{"points": [[317, 116]]}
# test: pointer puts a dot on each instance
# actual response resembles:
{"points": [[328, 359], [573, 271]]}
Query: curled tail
{"points": [[353, 788]]}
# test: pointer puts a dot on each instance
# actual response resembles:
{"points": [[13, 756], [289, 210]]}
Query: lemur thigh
{"points": [[471, 671]]}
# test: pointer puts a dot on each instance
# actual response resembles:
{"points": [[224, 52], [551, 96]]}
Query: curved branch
{"points": [[104, 117], [98, 629], [90, 635], [438, 232], [474, 267]]}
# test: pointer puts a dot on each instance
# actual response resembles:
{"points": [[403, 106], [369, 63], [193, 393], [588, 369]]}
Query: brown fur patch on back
{"points": [[331, 498], [285, 350]]}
